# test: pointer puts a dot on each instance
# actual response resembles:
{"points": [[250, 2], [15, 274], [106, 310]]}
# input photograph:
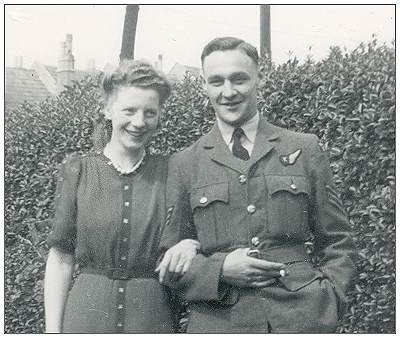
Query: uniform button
{"points": [[121, 290], [125, 239], [126, 203], [126, 221], [109, 162], [203, 200], [251, 209], [242, 179], [126, 187], [119, 324], [123, 258], [255, 241], [64, 161], [293, 186], [120, 306]]}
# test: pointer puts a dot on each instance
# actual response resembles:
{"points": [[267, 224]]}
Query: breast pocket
{"points": [[287, 203], [209, 207]]}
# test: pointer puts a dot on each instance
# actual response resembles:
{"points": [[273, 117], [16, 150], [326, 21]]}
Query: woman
{"points": [[110, 207]]}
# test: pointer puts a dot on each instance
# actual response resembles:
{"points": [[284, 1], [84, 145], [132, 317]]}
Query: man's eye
{"points": [[216, 82], [150, 113], [239, 81]]}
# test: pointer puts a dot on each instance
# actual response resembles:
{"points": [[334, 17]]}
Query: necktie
{"points": [[237, 149]]}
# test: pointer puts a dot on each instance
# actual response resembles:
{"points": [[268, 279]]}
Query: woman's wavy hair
{"points": [[130, 73]]}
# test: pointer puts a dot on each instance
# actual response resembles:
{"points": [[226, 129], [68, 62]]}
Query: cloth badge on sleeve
{"points": [[334, 198], [290, 159], [169, 215]]}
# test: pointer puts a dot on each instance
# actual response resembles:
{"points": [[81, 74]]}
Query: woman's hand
{"points": [[177, 259]]}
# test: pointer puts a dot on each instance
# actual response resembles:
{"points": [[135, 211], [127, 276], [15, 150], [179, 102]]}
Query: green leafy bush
{"points": [[347, 99]]}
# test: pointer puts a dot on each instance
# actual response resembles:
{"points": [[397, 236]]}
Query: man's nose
{"points": [[138, 119], [228, 90]]}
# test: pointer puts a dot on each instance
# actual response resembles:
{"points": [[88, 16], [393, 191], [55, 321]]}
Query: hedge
{"points": [[347, 99]]}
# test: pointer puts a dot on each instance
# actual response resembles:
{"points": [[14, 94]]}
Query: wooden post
{"points": [[129, 33], [265, 31]]}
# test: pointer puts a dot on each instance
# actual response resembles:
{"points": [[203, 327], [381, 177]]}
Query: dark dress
{"points": [[112, 224]]}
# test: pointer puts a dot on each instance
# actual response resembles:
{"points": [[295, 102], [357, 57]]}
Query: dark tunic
{"points": [[112, 223]]}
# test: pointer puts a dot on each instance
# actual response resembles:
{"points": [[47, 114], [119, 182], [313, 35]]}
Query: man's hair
{"points": [[136, 73], [229, 43]]}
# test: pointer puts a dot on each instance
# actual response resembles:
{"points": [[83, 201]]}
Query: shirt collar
{"points": [[249, 128]]}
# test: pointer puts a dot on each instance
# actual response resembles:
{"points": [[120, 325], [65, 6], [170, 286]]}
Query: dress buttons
{"points": [[251, 209], [126, 187], [242, 179], [293, 186], [203, 200], [126, 203], [121, 290], [126, 221], [255, 241]]}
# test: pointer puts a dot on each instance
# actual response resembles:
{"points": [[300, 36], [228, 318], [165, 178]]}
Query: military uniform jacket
{"points": [[279, 199]]}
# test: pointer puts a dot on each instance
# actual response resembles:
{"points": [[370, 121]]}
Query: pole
{"points": [[129, 32], [265, 31]]}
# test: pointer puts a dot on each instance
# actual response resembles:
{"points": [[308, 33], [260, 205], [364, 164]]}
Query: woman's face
{"points": [[134, 113]]}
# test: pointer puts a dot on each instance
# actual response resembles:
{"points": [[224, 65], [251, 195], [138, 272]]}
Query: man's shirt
{"points": [[250, 132]]}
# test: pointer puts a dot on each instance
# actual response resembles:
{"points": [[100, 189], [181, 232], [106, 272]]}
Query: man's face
{"points": [[231, 79]]}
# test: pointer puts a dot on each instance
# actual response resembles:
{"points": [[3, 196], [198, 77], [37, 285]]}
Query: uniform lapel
{"points": [[264, 143], [218, 151]]}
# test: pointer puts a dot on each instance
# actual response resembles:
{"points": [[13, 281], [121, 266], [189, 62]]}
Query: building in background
{"points": [[41, 81], [178, 72]]}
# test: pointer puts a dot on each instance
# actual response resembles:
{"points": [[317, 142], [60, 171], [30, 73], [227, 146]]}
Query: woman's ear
{"points": [[107, 112]]}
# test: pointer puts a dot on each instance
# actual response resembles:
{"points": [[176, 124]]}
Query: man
{"points": [[253, 195]]}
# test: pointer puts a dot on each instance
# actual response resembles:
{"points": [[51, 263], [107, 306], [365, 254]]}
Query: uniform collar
{"points": [[213, 143], [249, 128]]}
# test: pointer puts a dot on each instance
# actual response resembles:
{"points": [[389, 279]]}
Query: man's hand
{"points": [[177, 259], [244, 271]]}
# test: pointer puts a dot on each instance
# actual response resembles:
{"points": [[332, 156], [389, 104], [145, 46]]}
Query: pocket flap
{"points": [[203, 196], [292, 184], [299, 275]]}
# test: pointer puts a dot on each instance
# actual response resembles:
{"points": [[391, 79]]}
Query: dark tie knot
{"points": [[237, 148], [238, 133]]}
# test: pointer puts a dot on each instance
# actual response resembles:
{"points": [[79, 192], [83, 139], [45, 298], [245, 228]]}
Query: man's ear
{"points": [[203, 81]]}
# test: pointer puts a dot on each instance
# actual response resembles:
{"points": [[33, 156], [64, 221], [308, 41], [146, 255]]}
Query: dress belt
{"points": [[285, 254], [119, 273]]}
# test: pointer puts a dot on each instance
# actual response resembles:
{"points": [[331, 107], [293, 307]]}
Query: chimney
{"points": [[156, 65], [160, 62], [65, 65]]}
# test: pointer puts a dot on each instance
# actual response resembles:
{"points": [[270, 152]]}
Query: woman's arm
{"points": [[58, 276]]}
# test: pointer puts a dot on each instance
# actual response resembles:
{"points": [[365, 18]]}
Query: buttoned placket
{"points": [[251, 208], [123, 250]]}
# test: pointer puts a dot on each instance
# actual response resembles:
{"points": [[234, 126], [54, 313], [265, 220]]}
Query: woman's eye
{"points": [[129, 111]]}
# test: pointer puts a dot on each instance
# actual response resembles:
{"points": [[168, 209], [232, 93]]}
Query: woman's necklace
{"points": [[117, 166]]}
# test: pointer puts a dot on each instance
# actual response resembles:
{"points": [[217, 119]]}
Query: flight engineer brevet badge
{"points": [[290, 159]]}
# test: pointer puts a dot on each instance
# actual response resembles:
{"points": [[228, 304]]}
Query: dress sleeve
{"points": [[63, 234]]}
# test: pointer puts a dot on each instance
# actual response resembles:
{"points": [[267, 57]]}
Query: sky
{"points": [[179, 32]]}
